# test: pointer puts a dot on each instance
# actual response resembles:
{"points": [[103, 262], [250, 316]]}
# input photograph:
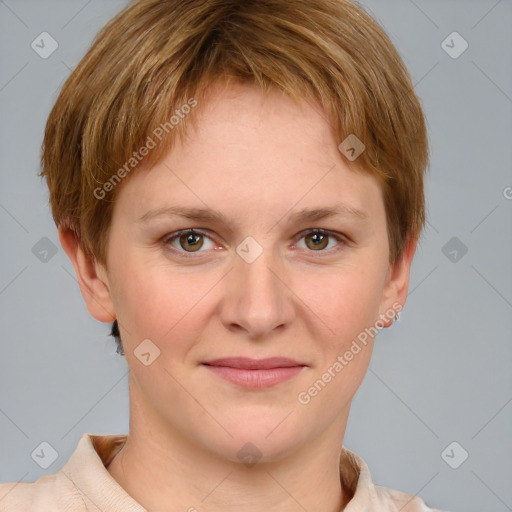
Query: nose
{"points": [[257, 300]]}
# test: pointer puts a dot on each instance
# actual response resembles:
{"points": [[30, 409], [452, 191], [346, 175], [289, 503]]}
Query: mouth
{"points": [[246, 363], [255, 373]]}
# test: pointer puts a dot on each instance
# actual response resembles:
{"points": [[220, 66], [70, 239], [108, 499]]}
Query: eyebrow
{"points": [[207, 214]]}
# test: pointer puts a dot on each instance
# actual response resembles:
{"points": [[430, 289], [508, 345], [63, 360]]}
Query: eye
{"points": [[188, 240], [318, 239]]}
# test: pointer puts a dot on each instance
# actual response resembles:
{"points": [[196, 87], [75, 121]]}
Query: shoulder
{"points": [[82, 478], [395, 501], [368, 497], [47, 493]]}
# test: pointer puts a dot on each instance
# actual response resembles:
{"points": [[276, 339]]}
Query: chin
{"points": [[259, 438]]}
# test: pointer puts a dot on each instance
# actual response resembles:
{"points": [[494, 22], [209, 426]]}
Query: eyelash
{"points": [[176, 235]]}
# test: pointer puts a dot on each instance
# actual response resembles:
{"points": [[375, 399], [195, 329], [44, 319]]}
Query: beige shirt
{"points": [[84, 484]]}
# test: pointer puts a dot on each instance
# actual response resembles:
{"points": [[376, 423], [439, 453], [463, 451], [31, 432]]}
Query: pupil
{"points": [[192, 240], [318, 240]]}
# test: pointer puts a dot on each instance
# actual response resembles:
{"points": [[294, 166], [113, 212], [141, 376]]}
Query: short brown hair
{"points": [[155, 55]]}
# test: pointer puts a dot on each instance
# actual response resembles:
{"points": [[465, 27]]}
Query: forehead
{"points": [[250, 151], [244, 109]]}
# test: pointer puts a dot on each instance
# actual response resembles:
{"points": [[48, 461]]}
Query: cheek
{"points": [[341, 303], [346, 305], [160, 303]]}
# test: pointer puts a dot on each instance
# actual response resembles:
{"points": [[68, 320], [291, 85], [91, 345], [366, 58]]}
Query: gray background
{"points": [[441, 374]]}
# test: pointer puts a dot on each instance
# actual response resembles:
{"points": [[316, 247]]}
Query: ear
{"points": [[395, 291], [91, 276]]}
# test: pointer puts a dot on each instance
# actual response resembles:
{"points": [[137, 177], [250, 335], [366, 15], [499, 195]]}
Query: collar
{"points": [[86, 468]]}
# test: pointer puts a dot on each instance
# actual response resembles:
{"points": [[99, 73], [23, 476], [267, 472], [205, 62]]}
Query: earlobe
{"points": [[91, 278], [397, 284]]}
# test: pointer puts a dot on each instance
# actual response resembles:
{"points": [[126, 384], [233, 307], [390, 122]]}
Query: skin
{"points": [[257, 160]]}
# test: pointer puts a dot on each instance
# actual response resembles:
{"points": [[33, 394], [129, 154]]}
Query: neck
{"points": [[164, 471]]}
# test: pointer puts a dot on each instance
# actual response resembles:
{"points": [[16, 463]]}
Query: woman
{"points": [[239, 186]]}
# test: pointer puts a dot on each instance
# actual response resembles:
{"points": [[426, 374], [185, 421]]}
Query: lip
{"points": [[255, 373], [247, 363]]}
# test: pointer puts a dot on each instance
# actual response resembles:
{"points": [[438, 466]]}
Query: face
{"points": [[264, 273]]}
